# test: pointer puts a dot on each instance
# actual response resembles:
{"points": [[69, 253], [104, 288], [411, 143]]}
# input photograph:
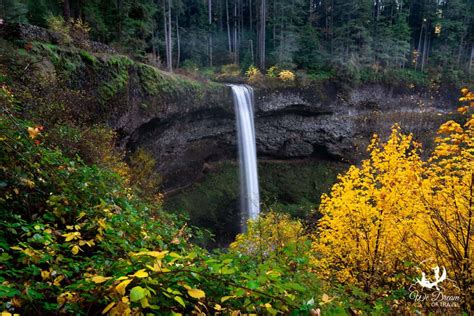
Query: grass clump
{"points": [[88, 57]]}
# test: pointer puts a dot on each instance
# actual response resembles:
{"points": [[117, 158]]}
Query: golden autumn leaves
{"points": [[369, 218], [33, 132], [118, 288], [395, 209], [254, 75]]}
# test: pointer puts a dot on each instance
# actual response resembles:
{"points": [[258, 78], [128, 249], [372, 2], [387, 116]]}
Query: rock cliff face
{"points": [[291, 123]]}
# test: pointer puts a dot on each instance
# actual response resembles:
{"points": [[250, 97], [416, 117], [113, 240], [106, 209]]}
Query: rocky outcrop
{"points": [[33, 33], [316, 121]]}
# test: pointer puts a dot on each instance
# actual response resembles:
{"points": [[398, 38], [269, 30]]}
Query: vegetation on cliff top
{"points": [[99, 79]]}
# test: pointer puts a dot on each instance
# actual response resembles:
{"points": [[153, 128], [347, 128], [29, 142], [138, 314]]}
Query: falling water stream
{"points": [[250, 198]]}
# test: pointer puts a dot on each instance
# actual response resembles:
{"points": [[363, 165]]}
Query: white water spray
{"points": [[250, 197]]}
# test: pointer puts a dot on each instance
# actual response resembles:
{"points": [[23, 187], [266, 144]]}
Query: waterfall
{"points": [[249, 193]]}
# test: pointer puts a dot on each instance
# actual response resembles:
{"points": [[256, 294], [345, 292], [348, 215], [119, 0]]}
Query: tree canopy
{"points": [[305, 34]]}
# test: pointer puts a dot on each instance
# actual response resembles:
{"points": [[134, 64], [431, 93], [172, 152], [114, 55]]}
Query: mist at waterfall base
{"points": [[249, 191]]}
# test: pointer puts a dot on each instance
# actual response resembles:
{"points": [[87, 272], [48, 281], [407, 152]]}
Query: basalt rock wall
{"points": [[321, 121]]}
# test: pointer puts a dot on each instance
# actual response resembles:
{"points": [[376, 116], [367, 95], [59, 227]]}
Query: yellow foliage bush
{"points": [[269, 236], [395, 211], [79, 30], [143, 174], [253, 74], [286, 75], [56, 23], [448, 188], [76, 29], [230, 70], [369, 224]]}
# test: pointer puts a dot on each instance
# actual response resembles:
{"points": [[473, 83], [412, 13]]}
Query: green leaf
{"points": [[227, 270], [296, 286], [6, 291], [137, 293], [180, 300], [252, 284]]}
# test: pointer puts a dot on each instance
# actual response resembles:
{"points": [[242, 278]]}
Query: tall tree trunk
{"points": [[209, 6], [220, 15], [424, 56], [250, 16], [376, 23], [66, 10], [419, 44], [241, 26], [274, 24], [167, 28], [228, 26], [262, 32], [235, 20], [170, 41], [251, 51], [178, 42]]}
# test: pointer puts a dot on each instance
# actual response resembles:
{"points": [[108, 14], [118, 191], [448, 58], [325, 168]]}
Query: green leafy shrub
{"points": [[190, 65], [320, 76], [395, 77], [273, 72]]}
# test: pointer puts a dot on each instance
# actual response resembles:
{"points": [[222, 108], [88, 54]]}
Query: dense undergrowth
{"points": [[78, 238], [275, 78]]}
